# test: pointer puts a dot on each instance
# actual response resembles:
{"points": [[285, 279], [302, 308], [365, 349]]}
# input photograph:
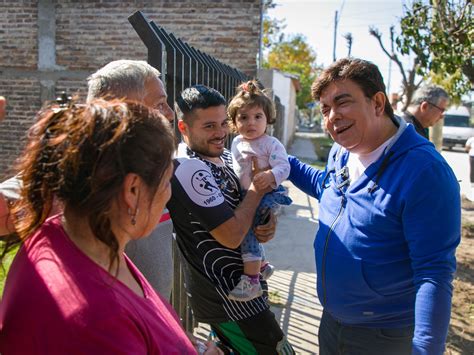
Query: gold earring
{"points": [[133, 216]]}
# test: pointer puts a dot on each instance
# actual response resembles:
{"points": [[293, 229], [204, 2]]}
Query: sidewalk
{"points": [[292, 288], [291, 251]]}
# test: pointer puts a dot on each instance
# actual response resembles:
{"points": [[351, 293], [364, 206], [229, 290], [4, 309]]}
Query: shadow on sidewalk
{"points": [[296, 307], [292, 289]]}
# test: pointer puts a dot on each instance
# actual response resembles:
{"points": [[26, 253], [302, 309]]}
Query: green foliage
{"points": [[272, 31], [290, 55], [272, 28], [275, 299], [295, 56], [7, 260], [322, 146], [440, 34], [454, 84]]}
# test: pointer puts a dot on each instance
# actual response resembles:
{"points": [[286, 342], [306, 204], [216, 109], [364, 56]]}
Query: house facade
{"points": [[48, 46]]}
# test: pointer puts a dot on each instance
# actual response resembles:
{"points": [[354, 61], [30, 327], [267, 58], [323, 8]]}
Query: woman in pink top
{"points": [[71, 289]]}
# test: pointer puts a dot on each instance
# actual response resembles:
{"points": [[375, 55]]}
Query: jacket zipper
{"points": [[323, 281]]}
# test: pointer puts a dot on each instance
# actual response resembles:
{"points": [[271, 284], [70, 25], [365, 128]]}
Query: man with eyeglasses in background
{"points": [[428, 107]]}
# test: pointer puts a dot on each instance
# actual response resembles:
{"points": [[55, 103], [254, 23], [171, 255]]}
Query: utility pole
{"points": [[337, 16], [335, 36], [260, 44]]}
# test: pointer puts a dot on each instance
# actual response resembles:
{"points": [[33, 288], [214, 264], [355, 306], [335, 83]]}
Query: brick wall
{"points": [[23, 96], [18, 28], [69, 39]]}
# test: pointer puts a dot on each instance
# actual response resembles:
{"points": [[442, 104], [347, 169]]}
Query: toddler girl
{"points": [[250, 111]]}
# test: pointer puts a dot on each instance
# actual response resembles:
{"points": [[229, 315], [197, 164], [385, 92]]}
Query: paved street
{"points": [[459, 162]]}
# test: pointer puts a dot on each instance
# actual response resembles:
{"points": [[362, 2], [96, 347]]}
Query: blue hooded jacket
{"points": [[385, 248]]}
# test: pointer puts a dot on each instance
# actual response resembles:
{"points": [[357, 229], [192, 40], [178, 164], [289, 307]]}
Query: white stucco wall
{"points": [[283, 87]]}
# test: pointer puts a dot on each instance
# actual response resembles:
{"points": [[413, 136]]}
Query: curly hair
{"points": [[251, 94], [81, 154]]}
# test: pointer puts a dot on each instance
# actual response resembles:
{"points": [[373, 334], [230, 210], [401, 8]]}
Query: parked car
{"points": [[457, 128]]}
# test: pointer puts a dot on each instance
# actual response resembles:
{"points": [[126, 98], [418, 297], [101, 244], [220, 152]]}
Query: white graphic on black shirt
{"points": [[199, 183], [202, 183]]}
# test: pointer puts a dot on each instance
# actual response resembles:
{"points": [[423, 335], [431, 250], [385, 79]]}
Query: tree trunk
{"points": [[409, 92], [436, 134]]}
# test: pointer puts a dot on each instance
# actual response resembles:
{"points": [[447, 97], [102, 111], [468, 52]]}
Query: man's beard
{"points": [[203, 151]]}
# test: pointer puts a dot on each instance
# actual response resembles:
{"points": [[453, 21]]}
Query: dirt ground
{"points": [[461, 329]]}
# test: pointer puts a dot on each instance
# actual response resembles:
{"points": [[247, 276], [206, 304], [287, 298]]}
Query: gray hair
{"points": [[120, 78], [429, 93]]}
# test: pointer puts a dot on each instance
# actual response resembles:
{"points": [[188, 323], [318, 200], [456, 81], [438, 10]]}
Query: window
{"points": [[456, 121]]}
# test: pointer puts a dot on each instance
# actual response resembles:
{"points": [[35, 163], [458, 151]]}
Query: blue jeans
{"points": [[250, 248], [339, 339]]}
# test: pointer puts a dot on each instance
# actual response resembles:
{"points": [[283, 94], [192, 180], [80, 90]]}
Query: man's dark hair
{"points": [[364, 73], [197, 97]]}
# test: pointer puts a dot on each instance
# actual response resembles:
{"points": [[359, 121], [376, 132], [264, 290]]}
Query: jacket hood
{"points": [[407, 139]]}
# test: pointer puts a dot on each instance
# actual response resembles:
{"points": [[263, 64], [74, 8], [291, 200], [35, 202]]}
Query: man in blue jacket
{"points": [[389, 222]]}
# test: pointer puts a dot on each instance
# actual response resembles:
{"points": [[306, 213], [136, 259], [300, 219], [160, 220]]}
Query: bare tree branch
{"points": [[376, 33], [408, 76], [349, 39]]}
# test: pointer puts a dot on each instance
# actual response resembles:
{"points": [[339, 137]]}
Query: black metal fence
{"points": [[181, 66]]}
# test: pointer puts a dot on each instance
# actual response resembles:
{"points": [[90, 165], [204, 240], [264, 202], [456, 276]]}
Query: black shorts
{"points": [[259, 334]]}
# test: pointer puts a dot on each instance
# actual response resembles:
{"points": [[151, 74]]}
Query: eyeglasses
{"points": [[439, 108]]}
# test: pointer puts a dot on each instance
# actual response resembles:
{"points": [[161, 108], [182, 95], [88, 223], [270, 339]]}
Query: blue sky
{"points": [[315, 20]]}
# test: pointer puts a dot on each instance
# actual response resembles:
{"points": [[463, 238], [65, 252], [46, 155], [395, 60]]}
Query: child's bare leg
{"points": [[252, 268]]}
